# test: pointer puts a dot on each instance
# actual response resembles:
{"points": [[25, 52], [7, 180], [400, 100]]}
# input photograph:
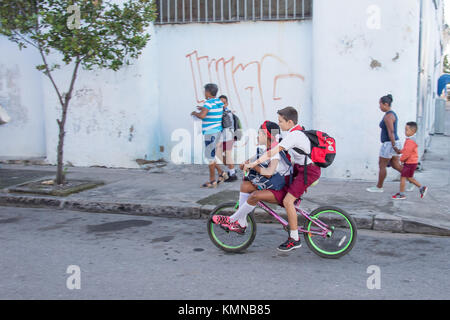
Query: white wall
{"points": [[356, 61], [261, 67], [113, 117], [21, 97], [431, 66], [336, 67]]}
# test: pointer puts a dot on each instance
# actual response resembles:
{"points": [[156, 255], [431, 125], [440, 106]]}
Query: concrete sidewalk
{"points": [[173, 191]]}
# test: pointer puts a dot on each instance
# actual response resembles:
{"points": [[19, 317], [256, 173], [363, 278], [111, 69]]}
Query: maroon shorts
{"points": [[298, 187], [227, 145], [408, 170]]}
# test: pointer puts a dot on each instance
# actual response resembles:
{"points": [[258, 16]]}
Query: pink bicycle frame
{"points": [[324, 229]]}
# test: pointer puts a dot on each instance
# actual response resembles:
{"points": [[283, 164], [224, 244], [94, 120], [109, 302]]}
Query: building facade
{"points": [[332, 60]]}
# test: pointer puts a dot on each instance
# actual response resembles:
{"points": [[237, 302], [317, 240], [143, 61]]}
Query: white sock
{"points": [[242, 213], [243, 197], [294, 234]]}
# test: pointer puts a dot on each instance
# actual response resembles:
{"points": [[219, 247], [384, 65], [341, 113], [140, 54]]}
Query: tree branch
{"points": [[25, 39], [48, 73]]}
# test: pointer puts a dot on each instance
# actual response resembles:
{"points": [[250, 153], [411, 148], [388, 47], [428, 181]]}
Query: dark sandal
{"points": [[224, 176], [211, 184]]}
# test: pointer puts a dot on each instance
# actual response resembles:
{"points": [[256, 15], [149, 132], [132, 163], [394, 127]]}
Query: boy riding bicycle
{"points": [[270, 175], [286, 197]]}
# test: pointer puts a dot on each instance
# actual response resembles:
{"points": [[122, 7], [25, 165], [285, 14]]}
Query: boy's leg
{"points": [[414, 182], [288, 203], [248, 206], [294, 192], [218, 155], [210, 141], [247, 187], [402, 184], [229, 162], [212, 171], [261, 195]]}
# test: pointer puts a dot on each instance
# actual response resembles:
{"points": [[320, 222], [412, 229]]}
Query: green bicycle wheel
{"points": [[227, 240], [341, 238]]}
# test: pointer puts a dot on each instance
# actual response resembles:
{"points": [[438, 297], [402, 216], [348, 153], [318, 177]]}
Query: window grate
{"points": [[204, 11]]}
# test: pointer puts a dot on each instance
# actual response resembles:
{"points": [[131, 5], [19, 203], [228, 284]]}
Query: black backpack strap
{"points": [[305, 173], [291, 167]]}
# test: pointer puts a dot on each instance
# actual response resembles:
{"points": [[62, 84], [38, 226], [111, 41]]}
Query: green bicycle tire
{"points": [[234, 249], [323, 253]]}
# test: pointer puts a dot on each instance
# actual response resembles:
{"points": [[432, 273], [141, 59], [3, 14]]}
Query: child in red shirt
{"points": [[410, 159]]}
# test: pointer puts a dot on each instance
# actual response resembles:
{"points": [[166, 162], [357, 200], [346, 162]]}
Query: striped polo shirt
{"points": [[212, 123]]}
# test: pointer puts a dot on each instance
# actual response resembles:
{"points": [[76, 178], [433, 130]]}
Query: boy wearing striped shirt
{"points": [[211, 115]]}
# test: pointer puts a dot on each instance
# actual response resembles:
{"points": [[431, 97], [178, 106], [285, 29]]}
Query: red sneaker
{"points": [[398, 196]]}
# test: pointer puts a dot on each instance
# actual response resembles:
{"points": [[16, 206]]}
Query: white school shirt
{"points": [[297, 139]]}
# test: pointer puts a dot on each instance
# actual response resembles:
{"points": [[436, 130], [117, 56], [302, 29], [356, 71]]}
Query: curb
{"points": [[377, 222]]}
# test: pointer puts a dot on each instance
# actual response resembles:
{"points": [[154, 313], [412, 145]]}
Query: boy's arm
{"points": [[202, 114], [241, 166], [266, 156], [407, 150], [267, 172]]}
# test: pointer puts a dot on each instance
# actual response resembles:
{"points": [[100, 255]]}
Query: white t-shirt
{"points": [[296, 139], [282, 167]]}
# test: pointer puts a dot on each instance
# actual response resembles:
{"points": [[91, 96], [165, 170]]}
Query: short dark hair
{"points": [[387, 99], [412, 125], [289, 113], [224, 97], [212, 88]]}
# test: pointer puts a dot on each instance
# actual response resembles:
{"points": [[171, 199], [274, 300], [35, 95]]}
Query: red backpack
{"points": [[323, 148]]}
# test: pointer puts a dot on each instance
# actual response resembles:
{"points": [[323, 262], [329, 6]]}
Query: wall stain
{"points": [[375, 64], [397, 56], [131, 135]]}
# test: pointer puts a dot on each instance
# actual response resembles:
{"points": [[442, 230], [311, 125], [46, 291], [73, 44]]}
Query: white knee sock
{"points": [[243, 198], [241, 214]]}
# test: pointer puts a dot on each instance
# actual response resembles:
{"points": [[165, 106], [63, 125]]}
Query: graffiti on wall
{"points": [[252, 88]]}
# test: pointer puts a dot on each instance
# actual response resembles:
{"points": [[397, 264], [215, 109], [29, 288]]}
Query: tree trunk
{"points": [[60, 178], [59, 171]]}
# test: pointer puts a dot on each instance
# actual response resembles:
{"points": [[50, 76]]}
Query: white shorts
{"points": [[387, 151]]}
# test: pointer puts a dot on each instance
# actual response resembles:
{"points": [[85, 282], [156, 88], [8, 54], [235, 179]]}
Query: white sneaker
{"points": [[375, 189], [410, 187]]}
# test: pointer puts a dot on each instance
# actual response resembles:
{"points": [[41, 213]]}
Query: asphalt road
{"points": [[133, 257]]}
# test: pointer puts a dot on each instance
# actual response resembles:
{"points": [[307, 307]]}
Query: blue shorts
{"points": [[211, 141]]}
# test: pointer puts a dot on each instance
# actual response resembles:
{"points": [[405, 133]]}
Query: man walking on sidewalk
{"points": [[211, 115]]}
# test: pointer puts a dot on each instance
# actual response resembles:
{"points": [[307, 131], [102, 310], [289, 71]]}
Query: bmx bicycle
{"points": [[329, 232]]}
